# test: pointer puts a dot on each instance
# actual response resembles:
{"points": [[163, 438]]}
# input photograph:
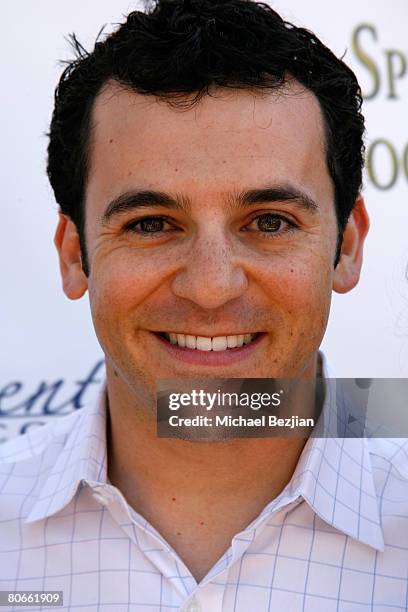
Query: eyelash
{"points": [[291, 226]]}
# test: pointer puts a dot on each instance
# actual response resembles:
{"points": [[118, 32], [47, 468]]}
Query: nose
{"points": [[211, 275]]}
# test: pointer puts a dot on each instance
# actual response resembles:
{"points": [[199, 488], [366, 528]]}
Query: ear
{"points": [[347, 272], [66, 240]]}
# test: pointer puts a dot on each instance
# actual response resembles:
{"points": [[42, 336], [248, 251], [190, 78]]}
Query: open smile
{"points": [[215, 350]]}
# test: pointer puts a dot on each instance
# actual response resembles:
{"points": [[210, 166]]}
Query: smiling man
{"points": [[219, 228], [207, 161]]}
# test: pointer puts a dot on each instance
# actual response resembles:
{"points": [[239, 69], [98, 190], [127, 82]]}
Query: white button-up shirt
{"points": [[336, 537]]}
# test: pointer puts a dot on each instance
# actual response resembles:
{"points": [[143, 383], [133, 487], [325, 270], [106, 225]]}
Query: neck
{"points": [[208, 491]]}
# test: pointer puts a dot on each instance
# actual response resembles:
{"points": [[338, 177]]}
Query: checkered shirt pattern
{"points": [[335, 539]]}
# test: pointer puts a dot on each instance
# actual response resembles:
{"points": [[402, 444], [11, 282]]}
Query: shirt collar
{"points": [[83, 459], [333, 475]]}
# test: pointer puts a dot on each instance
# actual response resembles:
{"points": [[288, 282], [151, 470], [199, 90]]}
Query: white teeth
{"points": [[220, 343], [203, 343], [231, 341], [191, 342], [181, 340]]}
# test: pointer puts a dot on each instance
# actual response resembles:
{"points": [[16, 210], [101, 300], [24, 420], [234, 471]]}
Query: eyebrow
{"points": [[278, 193], [143, 199], [139, 199]]}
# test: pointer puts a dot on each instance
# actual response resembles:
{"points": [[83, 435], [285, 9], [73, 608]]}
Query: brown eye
{"points": [[269, 223], [151, 225], [148, 225]]}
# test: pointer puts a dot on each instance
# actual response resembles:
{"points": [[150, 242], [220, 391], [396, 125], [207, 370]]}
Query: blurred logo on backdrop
{"points": [[23, 407], [384, 74]]}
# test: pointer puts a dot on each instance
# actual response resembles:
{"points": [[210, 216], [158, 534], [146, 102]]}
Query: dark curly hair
{"points": [[178, 50]]}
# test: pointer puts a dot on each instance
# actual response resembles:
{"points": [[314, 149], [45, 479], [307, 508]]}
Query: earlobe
{"points": [[347, 272], [66, 240]]}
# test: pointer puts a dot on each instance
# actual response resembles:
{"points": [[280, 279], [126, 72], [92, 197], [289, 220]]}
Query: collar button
{"points": [[192, 606]]}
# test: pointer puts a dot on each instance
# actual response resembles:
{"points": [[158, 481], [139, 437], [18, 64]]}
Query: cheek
{"points": [[301, 291], [125, 280], [120, 283]]}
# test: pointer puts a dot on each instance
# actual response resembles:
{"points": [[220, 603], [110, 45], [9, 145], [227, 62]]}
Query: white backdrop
{"points": [[47, 342]]}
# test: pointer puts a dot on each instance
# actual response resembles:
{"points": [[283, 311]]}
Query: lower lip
{"points": [[211, 358]]}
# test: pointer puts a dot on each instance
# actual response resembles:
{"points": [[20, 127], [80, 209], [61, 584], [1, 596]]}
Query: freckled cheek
{"points": [[122, 284], [300, 292], [312, 304]]}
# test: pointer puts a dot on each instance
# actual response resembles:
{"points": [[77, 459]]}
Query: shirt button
{"points": [[192, 606]]}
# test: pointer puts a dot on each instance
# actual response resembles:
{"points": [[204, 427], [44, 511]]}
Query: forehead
{"points": [[231, 139]]}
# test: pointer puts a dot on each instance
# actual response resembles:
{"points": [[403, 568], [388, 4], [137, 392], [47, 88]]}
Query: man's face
{"points": [[213, 222]]}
